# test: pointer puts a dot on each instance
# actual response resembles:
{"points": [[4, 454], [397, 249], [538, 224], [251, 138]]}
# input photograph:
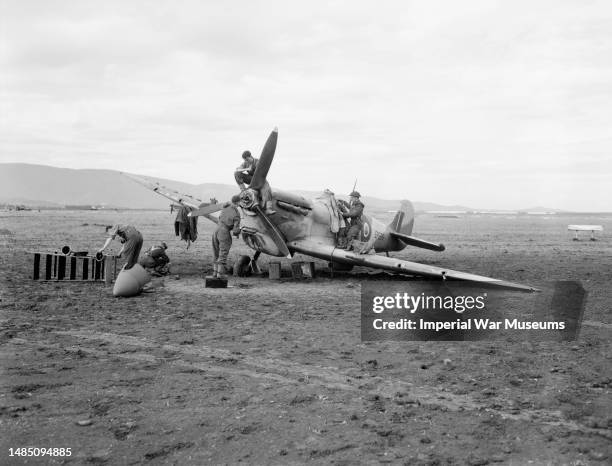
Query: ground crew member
{"points": [[156, 259], [244, 173], [355, 210], [229, 222], [132, 243]]}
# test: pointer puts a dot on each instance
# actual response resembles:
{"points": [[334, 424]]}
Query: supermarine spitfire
{"points": [[294, 224]]}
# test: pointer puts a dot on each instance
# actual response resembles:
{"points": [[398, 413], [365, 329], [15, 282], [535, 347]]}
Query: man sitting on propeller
{"points": [[257, 198], [244, 174]]}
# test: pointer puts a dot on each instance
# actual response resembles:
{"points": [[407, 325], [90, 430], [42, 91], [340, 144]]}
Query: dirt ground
{"points": [[270, 372]]}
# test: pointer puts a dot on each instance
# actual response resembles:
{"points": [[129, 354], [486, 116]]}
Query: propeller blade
{"points": [[265, 161], [206, 210], [276, 235]]}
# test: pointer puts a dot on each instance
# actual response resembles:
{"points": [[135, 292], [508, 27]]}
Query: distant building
{"points": [[82, 207]]}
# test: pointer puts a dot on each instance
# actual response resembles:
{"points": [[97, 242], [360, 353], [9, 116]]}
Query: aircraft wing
{"points": [[179, 198], [331, 253]]}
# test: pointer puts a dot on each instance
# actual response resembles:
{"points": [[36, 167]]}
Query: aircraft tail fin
{"points": [[401, 227], [403, 222]]}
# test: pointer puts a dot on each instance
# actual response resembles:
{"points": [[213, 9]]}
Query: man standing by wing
{"points": [[229, 222]]}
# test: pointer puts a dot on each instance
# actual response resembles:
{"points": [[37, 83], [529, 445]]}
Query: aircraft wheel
{"points": [[242, 266]]}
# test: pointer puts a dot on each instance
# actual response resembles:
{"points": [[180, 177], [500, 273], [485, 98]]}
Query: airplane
{"points": [[294, 224]]}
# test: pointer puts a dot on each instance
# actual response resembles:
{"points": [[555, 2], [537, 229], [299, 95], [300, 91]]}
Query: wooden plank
{"points": [[36, 274], [61, 267], [274, 270], [308, 269], [48, 266], [296, 270], [109, 269], [73, 267], [85, 274], [97, 269]]}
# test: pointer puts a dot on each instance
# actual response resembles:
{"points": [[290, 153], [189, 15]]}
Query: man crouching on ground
{"points": [[156, 260]]}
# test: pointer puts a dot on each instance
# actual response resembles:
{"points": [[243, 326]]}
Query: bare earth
{"points": [[270, 372]]}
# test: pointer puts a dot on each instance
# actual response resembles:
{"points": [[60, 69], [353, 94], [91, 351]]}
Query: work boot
{"points": [[269, 210], [221, 272]]}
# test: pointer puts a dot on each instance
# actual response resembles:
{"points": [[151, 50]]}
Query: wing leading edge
{"points": [[330, 253]]}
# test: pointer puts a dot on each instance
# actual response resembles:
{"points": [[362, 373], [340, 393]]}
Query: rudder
{"points": [[403, 222]]}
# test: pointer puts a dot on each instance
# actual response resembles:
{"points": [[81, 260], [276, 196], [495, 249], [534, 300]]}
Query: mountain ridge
{"points": [[55, 186]]}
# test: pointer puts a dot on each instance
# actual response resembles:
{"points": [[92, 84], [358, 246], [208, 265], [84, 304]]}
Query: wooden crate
{"points": [[303, 270], [274, 270], [62, 267]]}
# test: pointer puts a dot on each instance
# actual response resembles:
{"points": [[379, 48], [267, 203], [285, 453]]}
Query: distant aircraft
{"points": [[311, 226]]}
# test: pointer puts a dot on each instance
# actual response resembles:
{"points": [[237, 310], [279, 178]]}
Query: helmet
{"points": [[246, 154], [355, 194]]}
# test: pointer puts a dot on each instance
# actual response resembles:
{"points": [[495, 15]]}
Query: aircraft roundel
{"points": [[366, 230]]}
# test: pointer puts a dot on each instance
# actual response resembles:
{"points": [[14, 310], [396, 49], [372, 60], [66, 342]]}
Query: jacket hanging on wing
{"points": [[184, 226]]}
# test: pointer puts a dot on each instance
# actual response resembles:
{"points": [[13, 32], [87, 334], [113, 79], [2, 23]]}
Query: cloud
{"points": [[424, 96]]}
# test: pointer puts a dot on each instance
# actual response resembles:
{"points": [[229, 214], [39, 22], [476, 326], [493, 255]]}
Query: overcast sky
{"points": [[488, 104]]}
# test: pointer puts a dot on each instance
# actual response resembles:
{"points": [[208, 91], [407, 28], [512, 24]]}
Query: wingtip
{"points": [[275, 130]]}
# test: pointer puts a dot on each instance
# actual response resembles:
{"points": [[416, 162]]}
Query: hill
{"points": [[43, 185], [47, 186]]}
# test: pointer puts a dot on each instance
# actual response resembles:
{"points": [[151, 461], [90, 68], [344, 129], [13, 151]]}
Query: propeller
{"points": [[274, 233], [258, 183], [265, 161]]}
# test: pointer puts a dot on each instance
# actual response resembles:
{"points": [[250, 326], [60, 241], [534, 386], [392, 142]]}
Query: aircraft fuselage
{"points": [[316, 220]]}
